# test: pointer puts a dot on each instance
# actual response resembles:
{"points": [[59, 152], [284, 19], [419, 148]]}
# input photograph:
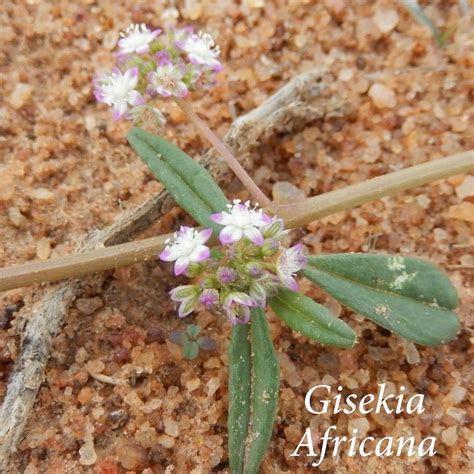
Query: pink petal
{"points": [[180, 266], [181, 89], [254, 235], [132, 72], [291, 283], [166, 255], [230, 234], [200, 253], [143, 49], [136, 98], [265, 219], [204, 236], [218, 218]]}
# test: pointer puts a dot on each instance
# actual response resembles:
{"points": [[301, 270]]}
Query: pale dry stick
{"points": [[302, 212], [298, 103], [294, 215]]}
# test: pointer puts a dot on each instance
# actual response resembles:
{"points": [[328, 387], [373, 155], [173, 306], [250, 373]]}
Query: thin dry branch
{"points": [[295, 105]]}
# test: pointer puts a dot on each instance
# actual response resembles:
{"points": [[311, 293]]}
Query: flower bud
{"points": [[226, 275], [254, 269], [273, 229], [209, 298]]}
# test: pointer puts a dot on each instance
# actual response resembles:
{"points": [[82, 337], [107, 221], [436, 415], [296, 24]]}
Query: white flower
{"points": [[237, 307], [241, 220], [289, 262], [137, 39], [167, 80], [201, 50], [187, 247], [117, 89], [187, 296]]}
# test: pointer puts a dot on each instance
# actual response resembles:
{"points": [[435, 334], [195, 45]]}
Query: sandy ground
{"points": [[65, 168]]}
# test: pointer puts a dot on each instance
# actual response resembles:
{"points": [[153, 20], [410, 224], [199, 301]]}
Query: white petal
{"points": [[230, 234]]}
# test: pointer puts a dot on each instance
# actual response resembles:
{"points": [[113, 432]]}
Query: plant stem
{"points": [[234, 165], [301, 213], [297, 214], [81, 264]]}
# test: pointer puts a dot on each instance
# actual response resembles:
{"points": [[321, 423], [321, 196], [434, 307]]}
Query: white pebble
{"points": [[382, 96]]}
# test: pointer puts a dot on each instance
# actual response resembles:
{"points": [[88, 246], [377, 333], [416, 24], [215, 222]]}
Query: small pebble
{"points": [[166, 441], [17, 218], [463, 212], [466, 188], [132, 456], [361, 425], [41, 194], [382, 96], [386, 19], [193, 384], [43, 248], [449, 436], [285, 192], [87, 454], [171, 428], [21, 95]]}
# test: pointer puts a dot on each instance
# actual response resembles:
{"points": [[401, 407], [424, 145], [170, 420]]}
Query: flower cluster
{"points": [[249, 267], [153, 63]]}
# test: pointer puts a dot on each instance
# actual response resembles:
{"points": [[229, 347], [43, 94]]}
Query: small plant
{"points": [[239, 264], [191, 342]]}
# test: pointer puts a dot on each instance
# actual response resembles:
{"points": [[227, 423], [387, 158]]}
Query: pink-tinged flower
{"points": [[237, 307], [167, 80], [209, 298], [289, 262], [201, 50], [187, 296], [117, 89], [188, 246], [241, 221], [137, 39]]}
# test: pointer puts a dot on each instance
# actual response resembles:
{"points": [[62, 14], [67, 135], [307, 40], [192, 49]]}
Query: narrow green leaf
{"points": [[311, 319], [239, 396], [419, 15], [265, 384], [190, 184], [405, 295]]}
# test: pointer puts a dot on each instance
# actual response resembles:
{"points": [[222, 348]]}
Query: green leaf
{"points": [[405, 295], [178, 337], [253, 393], [190, 184], [264, 398], [190, 350], [206, 343], [193, 330], [239, 396], [311, 319]]}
